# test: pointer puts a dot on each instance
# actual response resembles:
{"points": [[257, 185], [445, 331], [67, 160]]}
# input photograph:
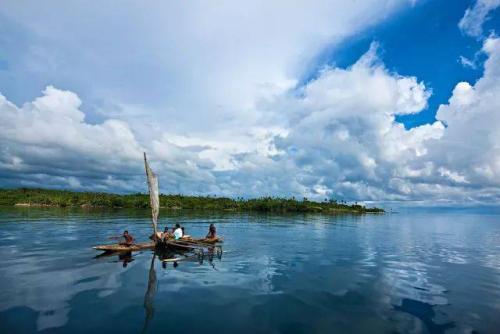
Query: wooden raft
{"points": [[125, 248], [178, 244]]}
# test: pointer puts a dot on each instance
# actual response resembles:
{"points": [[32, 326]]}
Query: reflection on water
{"points": [[165, 256], [150, 293], [425, 313], [293, 274]]}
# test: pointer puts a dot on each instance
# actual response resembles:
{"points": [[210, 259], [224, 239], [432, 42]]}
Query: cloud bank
{"points": [[336, 136]]}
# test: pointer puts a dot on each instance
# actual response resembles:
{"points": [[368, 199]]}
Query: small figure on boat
{"points": [[166, 234], [129, 239], [178, 232], [160, 236], [212, 232]]}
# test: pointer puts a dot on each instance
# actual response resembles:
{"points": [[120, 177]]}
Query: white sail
{"points": [[154, 194]]}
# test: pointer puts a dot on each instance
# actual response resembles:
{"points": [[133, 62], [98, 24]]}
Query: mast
{"points": [[154, 194]]}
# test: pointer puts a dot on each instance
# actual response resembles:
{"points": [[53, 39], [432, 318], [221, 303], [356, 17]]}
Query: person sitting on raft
{"points": [[159, 235], [178, 232], [166, 234], [129, 239], [212, 232]]}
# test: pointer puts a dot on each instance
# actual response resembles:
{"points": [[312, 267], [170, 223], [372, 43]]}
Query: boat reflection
{"points": [[174, 256], [164, 256], [124, 257], [195, 255]]}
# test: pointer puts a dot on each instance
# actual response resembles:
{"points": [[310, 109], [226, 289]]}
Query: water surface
{"points": [[430, 273]]}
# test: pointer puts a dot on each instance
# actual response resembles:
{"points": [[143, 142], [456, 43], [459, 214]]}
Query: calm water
{"points": [[290, 274]]}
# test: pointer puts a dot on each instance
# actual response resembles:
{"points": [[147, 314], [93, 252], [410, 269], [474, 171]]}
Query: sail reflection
{"points": [[150, 293], [211, 253]]}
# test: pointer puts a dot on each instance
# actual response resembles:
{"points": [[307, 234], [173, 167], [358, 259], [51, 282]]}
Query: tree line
{"points": [[65, 198]]}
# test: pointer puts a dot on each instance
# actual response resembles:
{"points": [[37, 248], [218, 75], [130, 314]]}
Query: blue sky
{"points": [[376, 101], [423, 41]]}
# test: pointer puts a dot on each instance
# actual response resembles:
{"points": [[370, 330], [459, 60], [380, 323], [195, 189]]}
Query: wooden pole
{"points": [[153, 195]]}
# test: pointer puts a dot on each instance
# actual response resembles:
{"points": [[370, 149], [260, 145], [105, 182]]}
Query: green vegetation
{"points": [[63, 198]]}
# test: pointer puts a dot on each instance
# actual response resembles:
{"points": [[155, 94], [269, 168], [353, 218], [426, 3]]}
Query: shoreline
{"points": [[187, 210], [47, 198]]}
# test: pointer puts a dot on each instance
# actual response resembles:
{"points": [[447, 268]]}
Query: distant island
{"points": [[63, 198]]}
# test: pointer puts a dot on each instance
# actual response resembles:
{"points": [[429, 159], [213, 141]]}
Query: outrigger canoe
{"points": [[186, 243], [182, 244]]}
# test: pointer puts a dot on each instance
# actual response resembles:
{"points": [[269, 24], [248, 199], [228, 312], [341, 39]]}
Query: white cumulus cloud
{"points": [[470, 146], [343, 138], [474, 17], [48, 143]]}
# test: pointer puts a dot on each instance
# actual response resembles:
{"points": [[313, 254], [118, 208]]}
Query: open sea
{"points": [[392, 273]]}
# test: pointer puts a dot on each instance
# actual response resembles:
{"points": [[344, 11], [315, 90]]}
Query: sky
{"points": [[376, 101]]}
